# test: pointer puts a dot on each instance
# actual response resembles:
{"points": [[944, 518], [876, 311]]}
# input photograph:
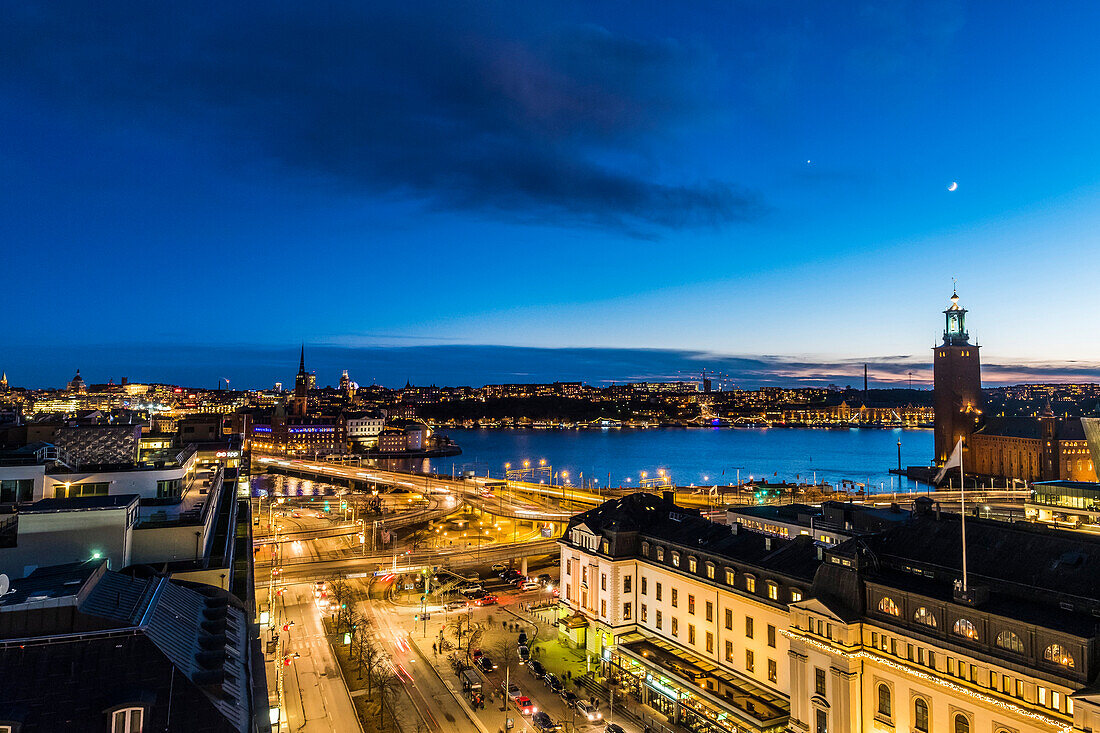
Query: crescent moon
{"points": [[954, 185]]}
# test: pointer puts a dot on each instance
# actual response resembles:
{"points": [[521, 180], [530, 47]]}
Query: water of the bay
{"points": [[702, 457]]}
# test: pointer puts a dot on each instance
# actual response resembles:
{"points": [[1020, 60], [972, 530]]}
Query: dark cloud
{"points": [[476, 365], [463, 106]]}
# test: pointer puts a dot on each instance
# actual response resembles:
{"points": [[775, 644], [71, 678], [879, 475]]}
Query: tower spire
{"points": [[302, 361]]}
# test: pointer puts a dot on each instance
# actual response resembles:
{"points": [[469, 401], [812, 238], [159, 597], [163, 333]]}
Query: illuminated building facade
{"points": [[722, 629]]}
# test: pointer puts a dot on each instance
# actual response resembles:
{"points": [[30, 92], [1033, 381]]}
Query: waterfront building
{"points": [[1042, 448], [722, 629], [364, 428]]}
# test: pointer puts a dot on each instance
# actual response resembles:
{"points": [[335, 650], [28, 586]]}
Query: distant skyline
{"points": [[726, 177], [250, 367]]}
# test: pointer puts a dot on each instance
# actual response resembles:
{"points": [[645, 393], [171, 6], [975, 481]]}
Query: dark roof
{"points": [[80, 503], [1032, 427]]}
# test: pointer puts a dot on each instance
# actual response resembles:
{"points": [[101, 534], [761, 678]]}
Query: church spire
{"points": [[302, 361]]}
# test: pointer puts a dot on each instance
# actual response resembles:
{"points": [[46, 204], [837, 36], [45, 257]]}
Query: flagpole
{"points": [[962, 507]]}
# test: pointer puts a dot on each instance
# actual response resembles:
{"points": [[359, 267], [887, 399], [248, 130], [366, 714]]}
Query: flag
{"points": [[955, 461]]}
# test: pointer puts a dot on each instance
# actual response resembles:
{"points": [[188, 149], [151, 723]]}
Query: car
{"points": [[485, 663], [588, 710], [545, 579], [469, 590], [296, 515], [522, 638], [498, 567], [536, 668], [454, 605], [518, 582], [542, 723], [526, 707], [485, 600], [552, 682], [613, 728], [511, 574], [512, 690], [476, 653], [502, 574], [530, 585], [319, 588], [524, 654], [477, 594], [570, 698]]}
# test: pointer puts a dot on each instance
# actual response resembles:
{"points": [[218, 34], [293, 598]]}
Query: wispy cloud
{"points": [[461, 105]]}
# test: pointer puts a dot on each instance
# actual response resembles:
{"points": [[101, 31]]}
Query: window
{"points": [[626, 584], [887, 605], [1059, 655], [963, 627], [568, 567], [603, 581], [926, 617], [73, 491], [750, 584], [603, 606], [658, 619], [729, 651], [626, 611], [169, 489], [675, 559], [822, 724], [1008, 640], [661, 554], [771, 636], [710, 570], [710, 643], [796, 595], [644, 614], [692, 564], [884, 708], [748, 626], [13, 490], [819, 681], [675, 597], [606, 547], [729, 618], [730, 576], [127, 721], [691, 604], [961, 724], [645, 549], [658, 591], [691, 634], [920, 715], [773, 671], [773, 591], [750, 662], [710, 610], [675, 626], [643, 585]]}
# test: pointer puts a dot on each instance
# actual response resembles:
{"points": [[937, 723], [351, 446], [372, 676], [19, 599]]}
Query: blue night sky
{"points": [[191, 190]]}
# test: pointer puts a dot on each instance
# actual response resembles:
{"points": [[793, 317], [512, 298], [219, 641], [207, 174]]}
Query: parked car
{"points": [[588, 710], [522, 638], [472, 589], [498, 567], [485, 600], [570, 698], [536, 668], [526, 707], [530, 585], [512, 690], [524, 654], [545, 579], [552, 682], [511, 574], [485, 663], [613, 728], [542, 723], [454, 605]]}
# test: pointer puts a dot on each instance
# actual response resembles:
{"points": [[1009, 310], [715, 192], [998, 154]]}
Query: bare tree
{"points": [[340, 593], [370, 655], [386, 682]]}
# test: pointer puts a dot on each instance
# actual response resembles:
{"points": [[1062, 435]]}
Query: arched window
{"points": [[963, 627], [1059, 655], [962, 724], [1008, 640], [924, 616], [127, 720], [920, 715], [884, 700], [887, 605]]}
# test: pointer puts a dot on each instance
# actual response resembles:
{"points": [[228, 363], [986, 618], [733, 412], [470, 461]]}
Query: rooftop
{"points": [[81, 503]]}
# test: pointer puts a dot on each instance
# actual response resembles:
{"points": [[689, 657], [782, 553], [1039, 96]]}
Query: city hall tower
{"points": [[956, 382]]}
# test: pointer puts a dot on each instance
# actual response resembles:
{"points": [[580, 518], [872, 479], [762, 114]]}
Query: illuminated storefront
{"points": [[690, 691]]}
